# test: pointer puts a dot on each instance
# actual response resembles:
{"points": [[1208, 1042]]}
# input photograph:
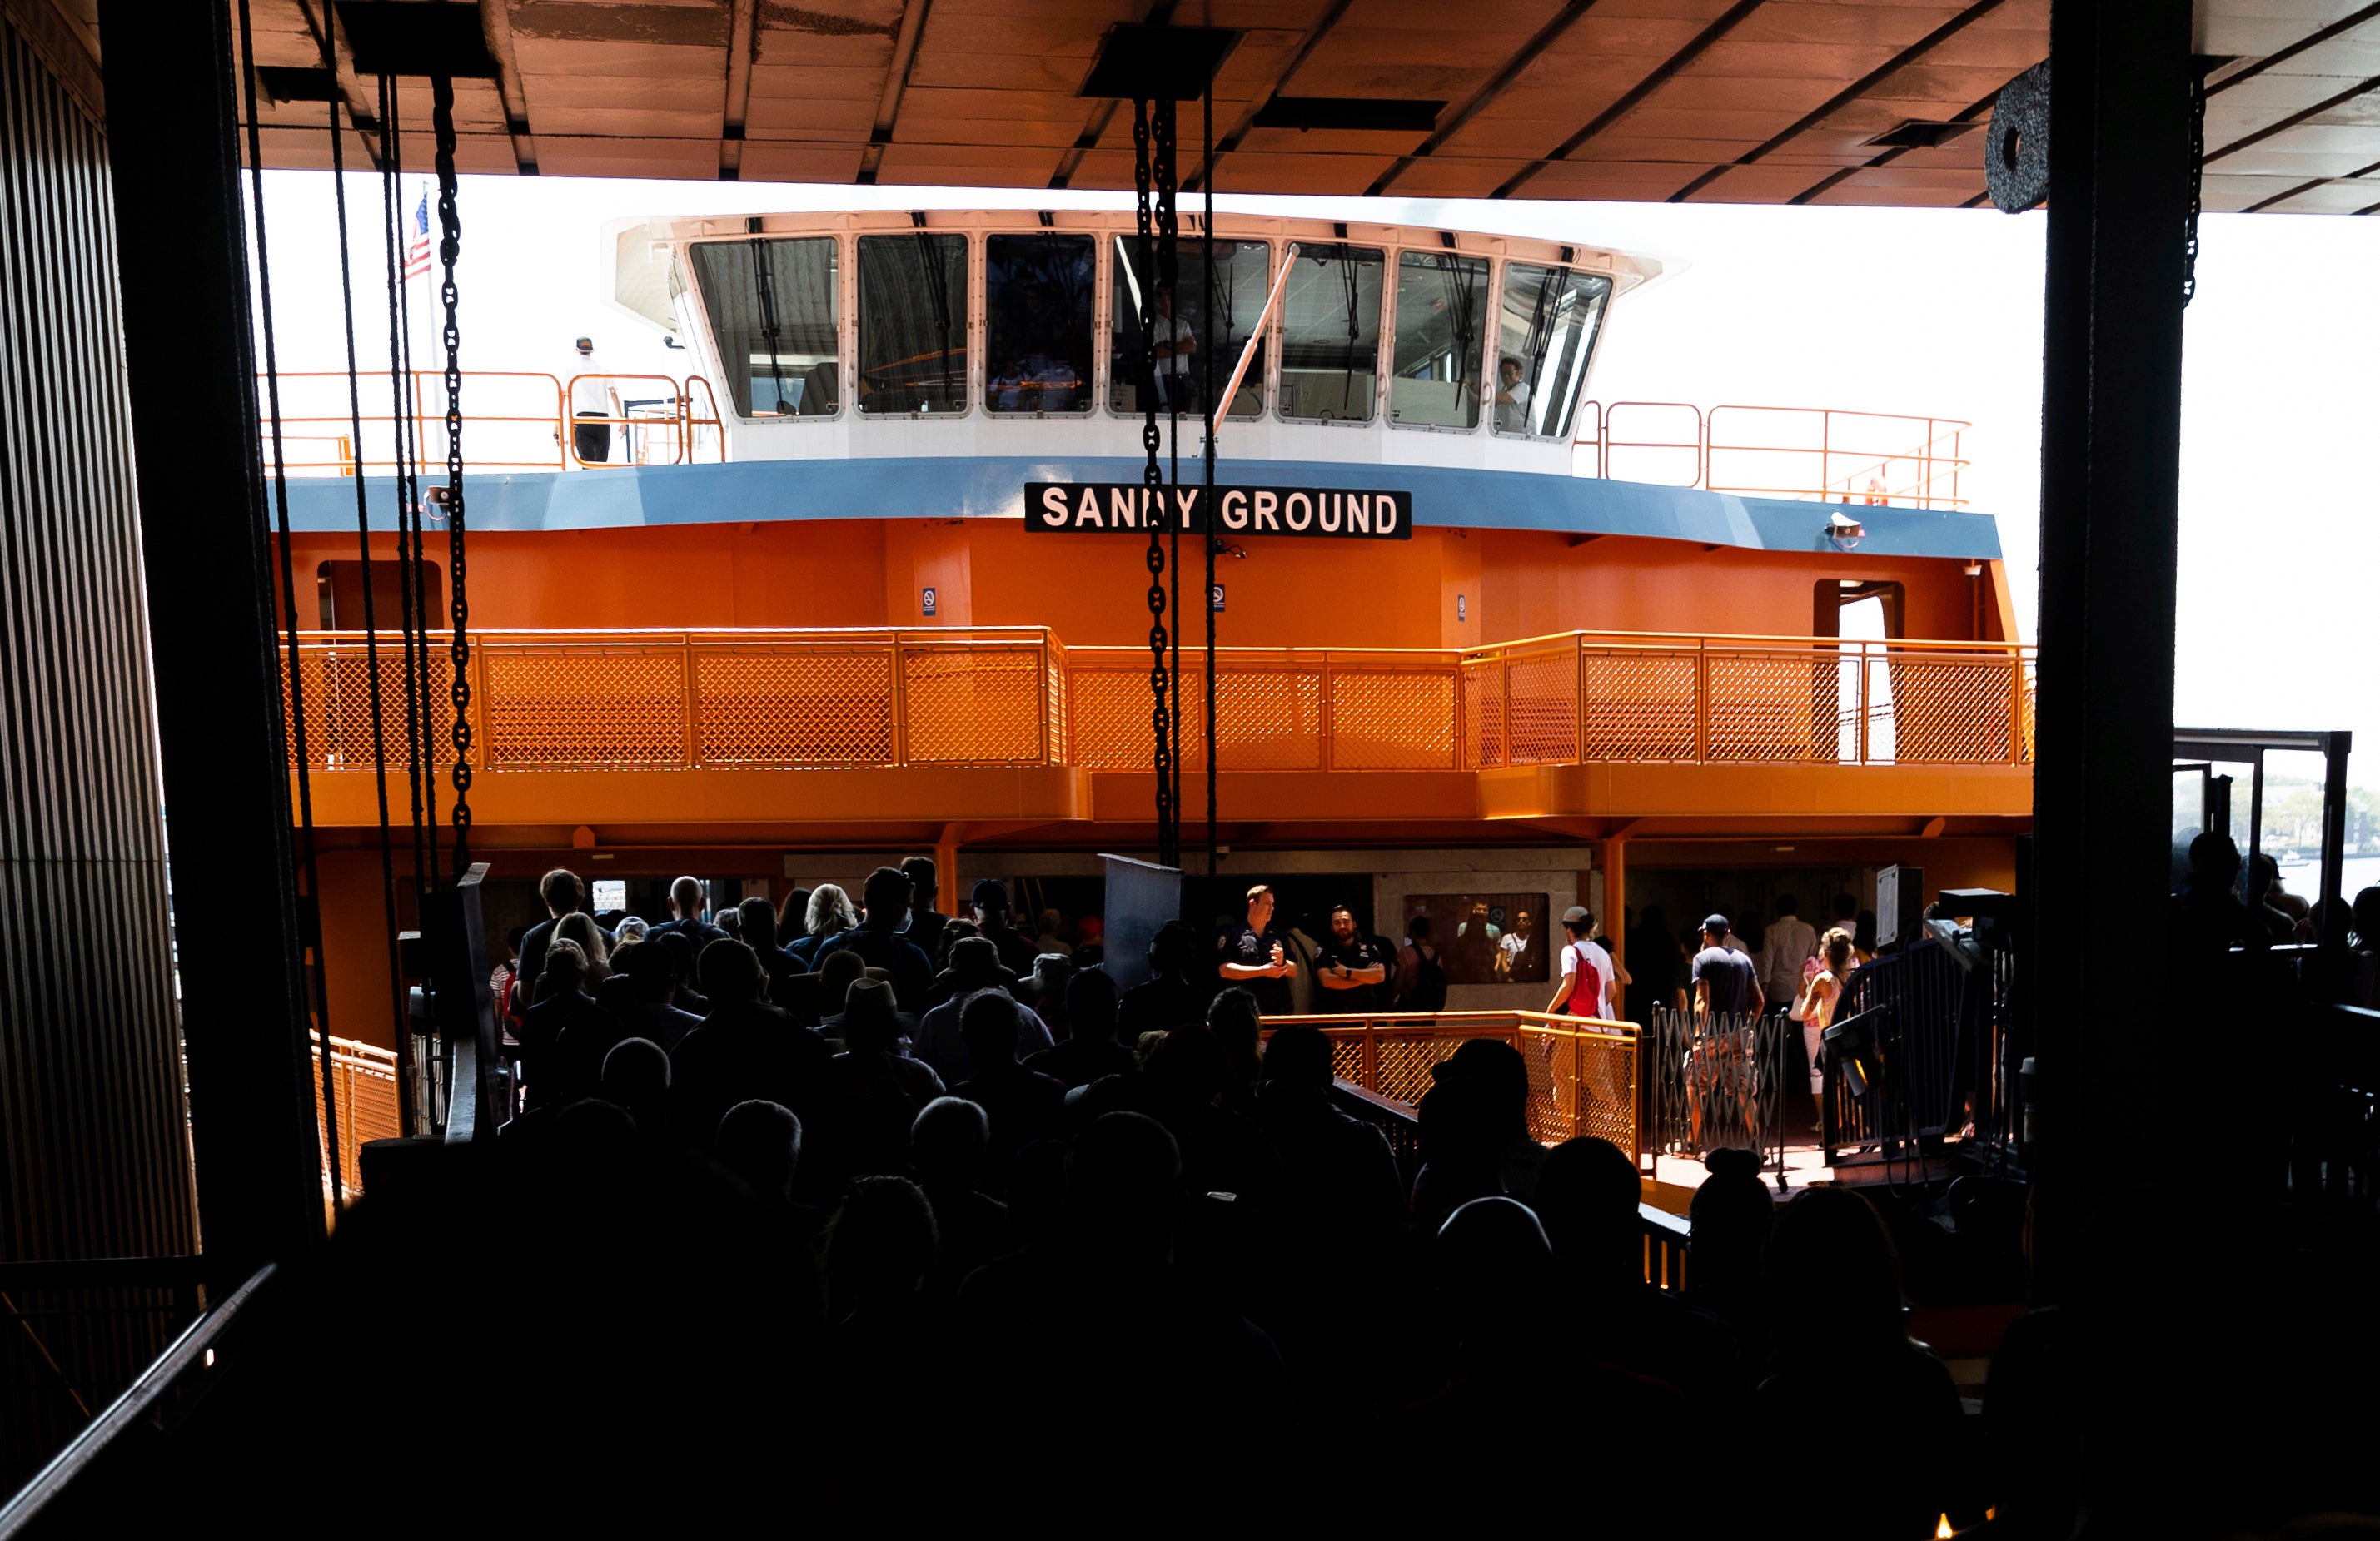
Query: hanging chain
{"points": [[1168, 272], [2197, 181], [450, 246], [1153, 503]]}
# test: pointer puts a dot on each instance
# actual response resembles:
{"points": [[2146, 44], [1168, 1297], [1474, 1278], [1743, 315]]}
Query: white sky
{"points": [[1884, 310]]}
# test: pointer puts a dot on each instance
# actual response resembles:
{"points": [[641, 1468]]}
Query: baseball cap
{"points": [[1716, 925], [1575, 916]]}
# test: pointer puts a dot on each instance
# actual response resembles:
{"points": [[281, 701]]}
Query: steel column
{"points": [[192, 376], [2110, 454]]}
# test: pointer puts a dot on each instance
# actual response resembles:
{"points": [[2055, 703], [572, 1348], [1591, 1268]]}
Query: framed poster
{"points": [[1485, 939]]}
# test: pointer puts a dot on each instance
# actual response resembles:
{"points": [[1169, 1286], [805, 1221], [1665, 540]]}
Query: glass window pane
{"points": [[1242, 271], [775, 307], [913, 324], [1038, 295], [1330, 333], [1544, 335], [1434, 380]]}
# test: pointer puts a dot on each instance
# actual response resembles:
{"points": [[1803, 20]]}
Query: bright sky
{"points": [[1884, 310]]}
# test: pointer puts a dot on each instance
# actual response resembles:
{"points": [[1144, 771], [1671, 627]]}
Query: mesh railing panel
{"points": [[1544, 688], [1483, 712], [364, 1081], [336, 684], [2025, 709], [1767, 705], [794, 710], [972, 706], [585, 710], [1392, 720], [1582, 1081], [1265, 719], [1638, 706], [1945, 711]]}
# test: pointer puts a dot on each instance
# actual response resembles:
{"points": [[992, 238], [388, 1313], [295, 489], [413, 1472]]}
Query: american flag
{"points": [[417, 252]]}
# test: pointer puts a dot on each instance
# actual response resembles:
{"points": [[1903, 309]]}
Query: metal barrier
{"points": [[512, 421], [1940, 997], [1779, 452], [1585, 698], [670, 700], [363, 1079], [1716, 1081], [1583, 1072], [611, 700]]}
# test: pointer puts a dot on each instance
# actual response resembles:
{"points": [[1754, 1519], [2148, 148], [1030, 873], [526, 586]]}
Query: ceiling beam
{"points": [[2284, 125], [896, 84], [1239, 130], [2311, 40], [1848, 95], [1489, 91], [1665, 71], [1974, 111], [496, 29], [743, 38], [1095, 128]]}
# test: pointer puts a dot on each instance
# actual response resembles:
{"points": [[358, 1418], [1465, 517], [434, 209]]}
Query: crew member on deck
{"points": [[1351, 968], [1258, 956]]}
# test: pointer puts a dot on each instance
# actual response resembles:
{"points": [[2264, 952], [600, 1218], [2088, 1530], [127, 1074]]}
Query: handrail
{"points": [[875, 698], [1886, 458], [539, 432], [75, 1486]]}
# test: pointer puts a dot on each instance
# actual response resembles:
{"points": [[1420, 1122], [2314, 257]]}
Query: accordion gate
{"points": [[856, 699]]}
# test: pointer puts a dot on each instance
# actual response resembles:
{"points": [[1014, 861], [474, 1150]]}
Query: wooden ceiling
{"points": [[1721, 100]]}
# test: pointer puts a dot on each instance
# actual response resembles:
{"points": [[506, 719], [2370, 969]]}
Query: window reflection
{"points": [[913, 323], [1330, 333], [1038, 295], [1242, 272], [1545, 333], [1434, 377], [775, 311]]}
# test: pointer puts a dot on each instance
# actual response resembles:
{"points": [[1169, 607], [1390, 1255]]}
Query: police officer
{"points": [[1353, 968], [1257, 955]]}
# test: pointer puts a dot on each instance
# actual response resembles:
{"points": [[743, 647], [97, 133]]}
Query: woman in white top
{"points": [[1816, 1009]]}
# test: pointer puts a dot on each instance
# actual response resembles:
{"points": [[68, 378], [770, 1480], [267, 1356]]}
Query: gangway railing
{"points": [[1868, 459], [867, 698], [512, 421]]}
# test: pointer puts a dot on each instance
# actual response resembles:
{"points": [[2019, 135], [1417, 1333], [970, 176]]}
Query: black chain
{"points": [[1161, 715], [450, 246], [2197, 180]]}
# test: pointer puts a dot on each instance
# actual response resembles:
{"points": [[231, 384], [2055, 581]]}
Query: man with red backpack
{"points": [[1590, 982]]}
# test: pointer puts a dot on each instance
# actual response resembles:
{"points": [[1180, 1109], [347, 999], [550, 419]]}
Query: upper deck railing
{"points": [[826, 699], [526, 421]]}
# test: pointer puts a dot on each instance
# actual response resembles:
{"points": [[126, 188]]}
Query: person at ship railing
{"points": [[1512, 395], [590, 397], [1257, 955], [1176, 349]]}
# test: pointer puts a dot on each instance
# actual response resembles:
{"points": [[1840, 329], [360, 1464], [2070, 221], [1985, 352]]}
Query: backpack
{"points": [[1428, 992]]}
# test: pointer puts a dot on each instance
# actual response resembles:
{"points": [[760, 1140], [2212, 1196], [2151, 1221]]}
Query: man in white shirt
{"points": [[1788, 943], [1177, 349], [589, 397], [1513, 395], [1590, 983]]}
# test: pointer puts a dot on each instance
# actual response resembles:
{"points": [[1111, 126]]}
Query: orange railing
{"points": [[1582, 1073], [512, 421], [363, 1083], [830, 698], [1779, 452]]}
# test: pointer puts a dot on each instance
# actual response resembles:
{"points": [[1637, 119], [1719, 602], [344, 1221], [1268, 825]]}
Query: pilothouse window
{"points": [[1442, 305], [1544, 333], [1038, 301], [1243, 269], [1330, 333], [776, 306], [913, 324]]}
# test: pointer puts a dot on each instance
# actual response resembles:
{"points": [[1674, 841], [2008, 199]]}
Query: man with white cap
{"points": [[1590, 982]]}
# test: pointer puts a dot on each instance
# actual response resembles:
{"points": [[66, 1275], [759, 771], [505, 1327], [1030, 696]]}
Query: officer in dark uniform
{"points": [[1257, 957], [1352, 969]]}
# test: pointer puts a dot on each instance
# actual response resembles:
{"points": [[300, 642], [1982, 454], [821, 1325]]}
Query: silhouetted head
{"points": [[1188, 1067], [886, 895], [1237, 1023], [652, 970], [837, 973], [1123, 1183], [1418, 928], [879, 1246], [561, 891], [1091, 1003], [830, 914], [730, 920], [686, 898], [1298, 1054], [1715, 929], [1732, 1214], [1787, 904], [1464, 1127], [975, 962], [566, 965], [1498, 1066], [923, 884], [636, 1074], [1490, 1254], [731, 973], [1588, 1193], [948, 1142], [578, 927], [988, 1025], [681, 951], [1343, 923], [1173, 949], [1051, 972], [631, 928], [990, 898], [759, 927], [1260, 906], [2214, 858], [1834, 1281], [762, 1143], [2365, 914], [871, 1021], [793, 916]]}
